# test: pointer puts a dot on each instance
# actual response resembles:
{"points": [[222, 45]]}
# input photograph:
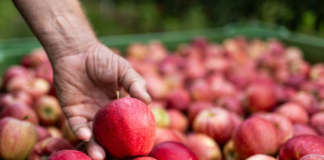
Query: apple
{"points": [[55, 132], [299, 146], [204, 147], [232, 104], [256, 136], [260, 157], [34, 59], [229, 151], [144, 158], [20, 111], [216, 123], [36, 87], [194, 68], [156, 86], [137, 51], [17, 138], [307, 101], [294, 112], [14, 71], [303, 129], [164, 135], [69, 155], [161, 117], [261, 97], [157, 52], [196, 107], [220, 87], [200, 90], [178, 99], [317, 121], [42, 133], [313, 157], [178, 121], [45, 71], [172, 151], [171, 64], [15, 97], [48, 110], [48, 146], [125, 127], [283, 125]]}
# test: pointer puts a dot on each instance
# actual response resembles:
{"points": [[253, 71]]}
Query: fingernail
{"points": [[84, 134], [97, 155]]}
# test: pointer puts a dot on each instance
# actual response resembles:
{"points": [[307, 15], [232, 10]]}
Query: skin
{"points": [[87, 74]]}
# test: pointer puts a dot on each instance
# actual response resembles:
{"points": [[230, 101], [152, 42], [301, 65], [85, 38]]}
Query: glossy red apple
{"points": [[20, 111], [17, 138], [216, 123], [261, 97], [196, 107], [294, 112], [69, 155], [48, 110], [165, 135], [299, 146], [172, 151], [125, 128], [200, 90], [204, 147], [256, 136], [304, 129], [178, 121]]}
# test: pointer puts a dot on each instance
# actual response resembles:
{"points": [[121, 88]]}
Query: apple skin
{"points": [[178, 121], [283, 125], [123, 133], [45, 71], [261, 97], [299, 146], [15, 97], [17, 138], [35, 59], [216, 123], [304, 129], [54, 132], [161, 117], [14, 71], [200, 90], [178, 99], [42, 133], [137, 51], [195, 108], [143, 158], [260, 157], [307, 101], [164, 135], [293, 111], [232, 104], [317, 121], [48, 146], [229, 151], [20, 111], [69, 155], [172, 151], [48, 110], [204, 147], [313, 157], [256, 136]]}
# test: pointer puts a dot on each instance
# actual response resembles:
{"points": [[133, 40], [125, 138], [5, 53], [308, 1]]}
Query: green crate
{"points": [[12, 50]]}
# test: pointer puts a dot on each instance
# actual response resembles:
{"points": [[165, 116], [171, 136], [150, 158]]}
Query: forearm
{"points": [[60, 25]]}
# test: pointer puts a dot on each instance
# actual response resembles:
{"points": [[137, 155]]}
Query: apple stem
{"points": [[118, 94]]}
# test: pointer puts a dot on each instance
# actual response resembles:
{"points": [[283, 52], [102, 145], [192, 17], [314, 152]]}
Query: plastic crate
{"points": [[11, 51]]}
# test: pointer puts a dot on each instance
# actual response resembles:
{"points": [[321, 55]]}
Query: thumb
{"points": [[135, 85]]}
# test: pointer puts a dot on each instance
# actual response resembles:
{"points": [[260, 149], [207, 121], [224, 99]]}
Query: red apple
{"points": [[307, 101], [260, 157], [261, 97], [15, 97], [17, 138], [204, 147], [164, 135], [137, 51], [48, 146], [172, 151], [123, 133], [220, 87], [156, 86], [20, 111], [196, 107], [42, 133], [161, 117], [256, 136], [144, 158], [294, 112], [36, 87], [178, 121], [303, 129], [69, 155], [48, 110], [178, 99], [194, 68], [14, 71], [200, 90], [313, 157], [34, 59], [216, 123], [157, 52], [232, 104], [45, 71], [317, 121], [283, 124], [299, 146]]}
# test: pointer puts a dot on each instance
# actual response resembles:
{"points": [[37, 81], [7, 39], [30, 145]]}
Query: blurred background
{"points": [[111, 17]]}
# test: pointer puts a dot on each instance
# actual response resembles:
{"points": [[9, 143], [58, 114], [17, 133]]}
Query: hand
{"points": [[87, 80]]}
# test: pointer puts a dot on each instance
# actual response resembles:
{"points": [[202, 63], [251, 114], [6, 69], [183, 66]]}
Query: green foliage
{"points": [[132, 16]]}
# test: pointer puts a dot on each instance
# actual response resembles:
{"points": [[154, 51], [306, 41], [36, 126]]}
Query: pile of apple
{"points": [[242, 99]]}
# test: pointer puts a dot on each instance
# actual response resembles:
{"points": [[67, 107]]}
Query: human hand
{"points": [[86, 80]]}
